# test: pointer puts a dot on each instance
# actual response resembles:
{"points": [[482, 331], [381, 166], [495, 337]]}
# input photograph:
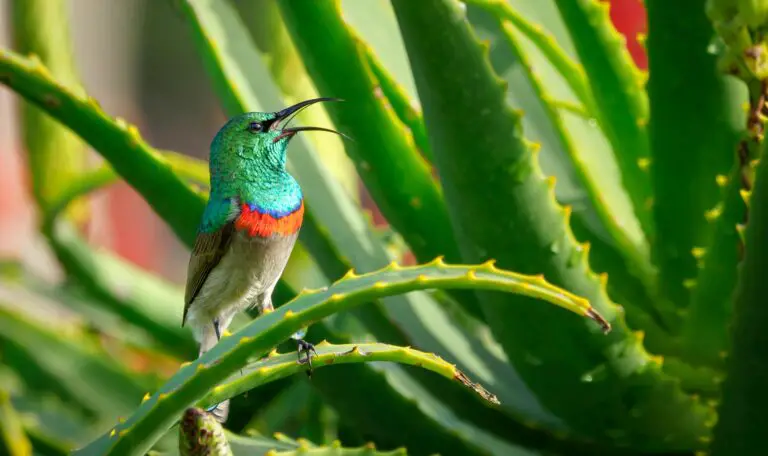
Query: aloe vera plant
{"points": [[520, 158]]}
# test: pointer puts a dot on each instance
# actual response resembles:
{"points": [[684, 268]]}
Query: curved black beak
{"points": [[286, 115]]}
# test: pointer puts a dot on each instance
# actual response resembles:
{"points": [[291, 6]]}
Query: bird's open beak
{"points": [[282, 118]]}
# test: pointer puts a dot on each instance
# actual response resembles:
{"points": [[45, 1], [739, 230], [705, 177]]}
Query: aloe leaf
{"points": [[634, 266], [705, 338], [405, 108], [685, 162], [617, 86], [157, 413], [381, 150], [568, 68], [119, 143], [137, 297], [533, 236], [55, 154], [109, 389], [741, 424], [582, 159], [12, 436], [426, 325], [278, 366]]}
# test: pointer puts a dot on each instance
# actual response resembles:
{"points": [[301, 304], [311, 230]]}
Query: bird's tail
{"points": [[220, 411]]}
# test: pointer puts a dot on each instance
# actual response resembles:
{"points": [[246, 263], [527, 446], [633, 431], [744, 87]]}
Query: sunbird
{"points": [[249, 226]]}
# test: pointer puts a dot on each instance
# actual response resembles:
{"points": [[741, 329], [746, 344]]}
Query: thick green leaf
{"points": [[382, 151], [119, 143], [502, 207], [742, 419], [630, 266], [687, 97], [157, 413], [568, 68], [277, 366], [705, 337], [74, 360], [54, 153], [406, 109], [617, 86]]}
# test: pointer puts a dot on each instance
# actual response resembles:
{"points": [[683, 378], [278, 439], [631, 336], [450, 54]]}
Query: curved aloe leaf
{"points": [[741, 424], [156, 414], [14, 439], [617, 86], [119, 143], [278, 366], [684, 161], [532, 235], [337, 61]]}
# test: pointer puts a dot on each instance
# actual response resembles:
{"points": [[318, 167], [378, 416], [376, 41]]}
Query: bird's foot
{"points": [[306, 347]]}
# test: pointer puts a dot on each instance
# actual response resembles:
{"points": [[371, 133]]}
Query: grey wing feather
{"points": [[206, 254]]}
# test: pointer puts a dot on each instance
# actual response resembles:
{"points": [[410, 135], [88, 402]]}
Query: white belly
{"points": [[244, 277]]}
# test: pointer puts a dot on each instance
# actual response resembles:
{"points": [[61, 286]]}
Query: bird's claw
{"points": [[309, 349]]}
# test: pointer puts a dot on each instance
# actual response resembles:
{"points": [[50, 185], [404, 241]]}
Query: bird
{"points": [[249, 226]]}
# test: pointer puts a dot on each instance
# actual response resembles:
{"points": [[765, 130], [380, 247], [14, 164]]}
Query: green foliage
{"points": [[652, 232]]}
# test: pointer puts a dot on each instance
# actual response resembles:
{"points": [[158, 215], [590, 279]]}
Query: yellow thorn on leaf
{"points": [[713, 214], [471, 274], [644, 163], [745, 194], [337, 297], [146, 397], [226, 333], [380, 284], [721, 180], [698, 252], [112, 432], [288, 314]]}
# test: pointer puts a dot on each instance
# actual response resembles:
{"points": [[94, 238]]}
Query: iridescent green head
{"points": [[248, 157]]}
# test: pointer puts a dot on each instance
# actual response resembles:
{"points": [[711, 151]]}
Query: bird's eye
{"points": [[255, 127]]}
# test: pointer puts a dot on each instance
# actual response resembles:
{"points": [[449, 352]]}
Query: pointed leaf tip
{"points": [[595, 315]]}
